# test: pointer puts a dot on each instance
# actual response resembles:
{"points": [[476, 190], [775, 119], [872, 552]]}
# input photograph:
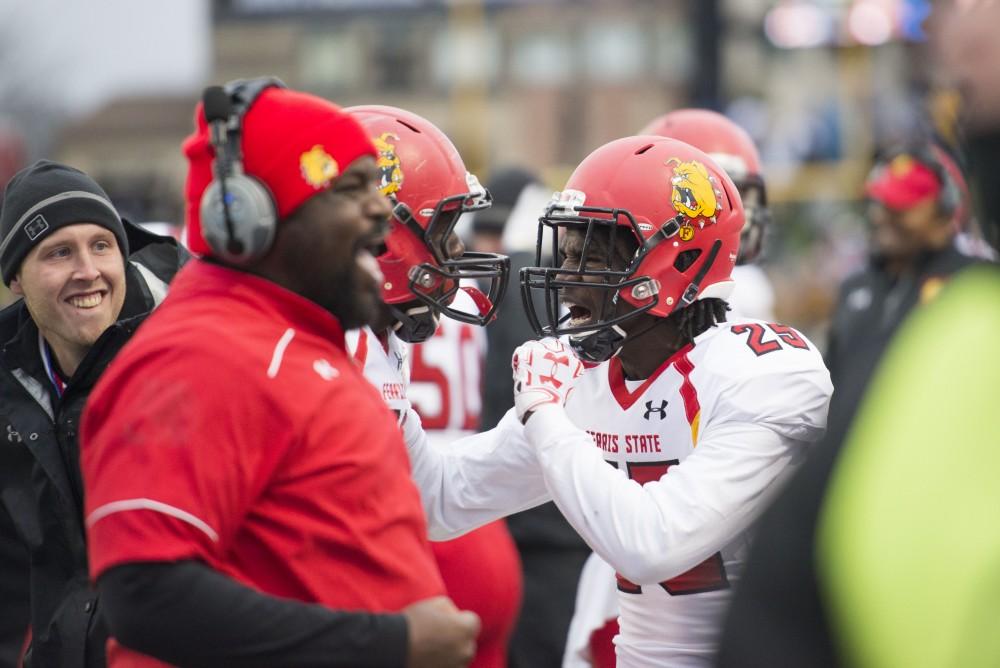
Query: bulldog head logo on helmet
{"points": [[693, 192], [390, 170]]}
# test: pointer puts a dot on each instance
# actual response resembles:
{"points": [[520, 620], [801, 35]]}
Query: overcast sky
{"points": [[81, 53]]}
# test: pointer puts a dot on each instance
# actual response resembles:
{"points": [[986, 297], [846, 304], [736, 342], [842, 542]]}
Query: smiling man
{"points": [[70, 272], [63, 250], [245, 484]]}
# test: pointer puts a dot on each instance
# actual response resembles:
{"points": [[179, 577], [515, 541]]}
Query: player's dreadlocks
{"points": [[698, 317]]}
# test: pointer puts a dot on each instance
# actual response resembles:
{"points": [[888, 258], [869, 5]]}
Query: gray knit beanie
{"points": [[44, 197]]}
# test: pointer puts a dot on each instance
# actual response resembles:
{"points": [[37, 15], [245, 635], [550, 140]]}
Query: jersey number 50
{"points": [[709, 575]]}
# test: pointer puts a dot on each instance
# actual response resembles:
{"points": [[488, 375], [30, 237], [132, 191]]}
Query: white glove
{"points": [[544, 374]]}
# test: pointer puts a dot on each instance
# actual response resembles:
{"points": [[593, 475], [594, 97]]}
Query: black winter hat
{"points": [[44, 197]]}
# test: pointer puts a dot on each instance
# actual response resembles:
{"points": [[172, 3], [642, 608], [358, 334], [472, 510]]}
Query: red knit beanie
{"points": [[296, 143]]}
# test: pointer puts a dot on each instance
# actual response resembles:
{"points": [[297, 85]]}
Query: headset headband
{"points": [[244, 92]]}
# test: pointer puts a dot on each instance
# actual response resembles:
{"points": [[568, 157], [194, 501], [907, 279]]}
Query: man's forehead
{"points": [[74, 230], [576, 235]]}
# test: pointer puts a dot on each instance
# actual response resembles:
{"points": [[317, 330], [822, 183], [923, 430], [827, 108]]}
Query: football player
{"points": [[698, 417], [427, 273], [732, 149]]}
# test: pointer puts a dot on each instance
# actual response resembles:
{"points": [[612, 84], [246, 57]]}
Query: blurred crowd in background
{"points": [[820, 85]]}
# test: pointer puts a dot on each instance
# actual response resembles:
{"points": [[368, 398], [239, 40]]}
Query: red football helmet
{"points": [[424, 176], [685, 215], [732, 149]]}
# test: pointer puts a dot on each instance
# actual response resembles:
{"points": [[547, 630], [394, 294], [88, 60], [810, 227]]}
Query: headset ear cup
{"points": [[252, 214], [950, 197]]}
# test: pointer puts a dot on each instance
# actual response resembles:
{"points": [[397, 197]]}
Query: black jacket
{"points": [[871, 306], [14, 610], [40, 482], [778, 616]]}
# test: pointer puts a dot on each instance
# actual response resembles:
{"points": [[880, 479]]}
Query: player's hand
{"points": [[440, 635], [544, 375]]}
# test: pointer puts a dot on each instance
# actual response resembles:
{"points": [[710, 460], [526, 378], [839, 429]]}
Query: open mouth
{"points": [[366, 260], [367, 250], [686, 197], [87, 300], [578, 315]]}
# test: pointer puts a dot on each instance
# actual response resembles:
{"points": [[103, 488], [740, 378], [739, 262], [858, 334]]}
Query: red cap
{"points": [[296, 143], [903, 182]]}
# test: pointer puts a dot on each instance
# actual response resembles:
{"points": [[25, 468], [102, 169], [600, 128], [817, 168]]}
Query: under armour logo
{"points": [[556, 361], [325, 370], [36, 227], [13, 436], [662, 409], [399, 361]]}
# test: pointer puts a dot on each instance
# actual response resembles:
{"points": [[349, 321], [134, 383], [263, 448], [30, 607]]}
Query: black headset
{"points": [[238, 213]]}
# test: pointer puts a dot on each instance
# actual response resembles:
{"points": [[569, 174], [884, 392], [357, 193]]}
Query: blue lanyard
{"points": [[58, 383]]}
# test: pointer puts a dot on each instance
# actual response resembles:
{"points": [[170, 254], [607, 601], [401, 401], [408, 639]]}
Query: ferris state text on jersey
{"points": [[660, 417]]}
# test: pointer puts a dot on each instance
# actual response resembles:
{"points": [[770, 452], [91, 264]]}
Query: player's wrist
{"points": [[547, 424], [540, 408]]}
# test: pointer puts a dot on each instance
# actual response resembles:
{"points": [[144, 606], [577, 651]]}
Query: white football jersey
{"points": [[705, 436], [385, 367]]}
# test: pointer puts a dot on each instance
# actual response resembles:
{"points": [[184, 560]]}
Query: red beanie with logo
{"points": [[296, 143]]}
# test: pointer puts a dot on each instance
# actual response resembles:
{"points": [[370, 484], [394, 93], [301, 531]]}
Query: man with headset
{"points": [[244, 482], [915, 209]]}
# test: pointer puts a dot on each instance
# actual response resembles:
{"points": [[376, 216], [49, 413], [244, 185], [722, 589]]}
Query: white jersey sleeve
{"points": [[722, 451], [653, 532], [476, 479]]}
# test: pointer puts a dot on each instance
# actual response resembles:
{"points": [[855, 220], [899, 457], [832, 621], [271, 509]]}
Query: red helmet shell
{"points": [[418, 166], [723, 140], [658, 180]]}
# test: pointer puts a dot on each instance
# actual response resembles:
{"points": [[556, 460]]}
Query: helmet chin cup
{"points": [[415, 324], [485, 307], [600, 345]]}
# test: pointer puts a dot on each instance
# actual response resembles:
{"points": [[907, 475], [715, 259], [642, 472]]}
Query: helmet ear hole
{"points": [[686, 259]]}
